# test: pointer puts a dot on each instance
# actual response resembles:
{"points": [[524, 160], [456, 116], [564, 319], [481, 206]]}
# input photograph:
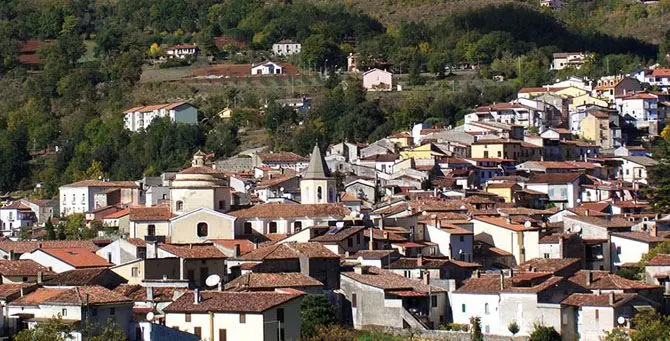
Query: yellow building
{"points": [[596, 127], [571, 91], [402, 139], [427, 151], [506, 149], [586, 99], [504, 190]]}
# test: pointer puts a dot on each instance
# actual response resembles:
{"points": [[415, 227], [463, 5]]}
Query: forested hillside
{"points": [[62, 122]]}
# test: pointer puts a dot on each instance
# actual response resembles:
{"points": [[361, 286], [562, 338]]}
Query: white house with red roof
{"points": [[641, 107], [87, 195], [61, 260], [182, 51], [140, 117]]}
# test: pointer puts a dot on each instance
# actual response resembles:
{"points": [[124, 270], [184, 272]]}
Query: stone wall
{"points": [[440, 334]]}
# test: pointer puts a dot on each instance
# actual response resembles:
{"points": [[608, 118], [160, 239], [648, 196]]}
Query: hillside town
{"points": [[531, 212]]}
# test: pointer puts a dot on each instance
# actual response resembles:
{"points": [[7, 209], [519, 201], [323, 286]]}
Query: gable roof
{"points": [[659, 260], [339, 236], [289, 251], [194, 251], [99, 183], [77, 257], [550, 265], [227, 301], [502, 222], [149, 108], [554, 178], [387, 280], [598, 300], [80, 277], [22, 267], [30, 246], [139, 293], [274, 210], [156, 213], [78, 296], [607, 281], [265, 281]]}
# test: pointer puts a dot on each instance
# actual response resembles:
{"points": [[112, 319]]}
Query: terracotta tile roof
{"points": [[607, 281], [289, 251], [521, 283], [194, 251], [200, 170], [380, 158], [266, 281], [273, 210], [30, 246], [598, 300], [596, 206], [349, 197], [282, 157], [8, 291], [77, 296], [661, 73], [149, 108], [17, 205], [639, 236], [278, 180], [138, 293], [138, 242], [339, 236], [156, 213], [117, 214], [501, 185], [554, 178], [550, 265], [502, 222], [245, 244], [81, 277], [388, 280], [660, 260], [372, 254], [22, 267], [609, 222], [78, 257], [429, 263], [545, 89], [98, 183], [378, 234], [227, 301]]}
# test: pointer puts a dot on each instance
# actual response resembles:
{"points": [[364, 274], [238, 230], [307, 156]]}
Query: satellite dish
{"points": [[213, 280], [527, 224], [621, 320], [150, 316], [577, 229]]}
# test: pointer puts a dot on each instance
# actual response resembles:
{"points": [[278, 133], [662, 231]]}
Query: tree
{"points": [[223, 139], [476, 329], [74, 226], [315, 312], [109, 331], [513, 327], [414, 77], [320, 51], [51, 231], [617, 334], [650, 325], [544, 333], [52, 330], [155, 50]]}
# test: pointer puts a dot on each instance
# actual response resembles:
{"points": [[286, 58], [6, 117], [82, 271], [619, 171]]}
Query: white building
{"points": [[266, 68], [563, 60], [643, 107], [66, 259], [139, 118], [634, 168], [553, 4], [87, 195], [629, 247], [15, 216], [182, 51], [224, 316], [378, 80], [286, 48]]}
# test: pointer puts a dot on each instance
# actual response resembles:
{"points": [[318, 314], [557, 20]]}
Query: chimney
{"points": [[476, 274], [509, 220], [196, 296], [346, 254], [611, 297], [39, 277], [21, 291], [426, 277], [586, 213], [360, 269], [653, 231], [371, 243], [502, 281], [589, 277], [237, 250], [419, 260], [150, 294]]}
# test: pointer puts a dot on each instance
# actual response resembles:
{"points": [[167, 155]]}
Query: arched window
{"points": [[180, 205], [202, 229], [151, 230], [486, 308], [319, 194]]}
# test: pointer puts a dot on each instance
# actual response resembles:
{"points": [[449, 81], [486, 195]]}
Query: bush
{"points": [[544, 333], [456, 327], [174, 62]]}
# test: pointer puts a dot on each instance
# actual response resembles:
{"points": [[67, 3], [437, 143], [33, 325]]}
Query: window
{"points": [[222, 204], [463, 307], [597, 314], [618, 250], [408, 273], [112, 311], [187, 317], [461, 238], [433, 301], [247, 228], [197, 331], [499, 154], [135, 272], [74, 199], [297, 226], [63, 312], [180, 205], [319, 193], [83, 199], [486, 308], [350, 242], [273, 227], [243, 318], [546, 255], [280, 315], [222, 335], [202, 229], [487, 329], [353, 300], [151, 230]]}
